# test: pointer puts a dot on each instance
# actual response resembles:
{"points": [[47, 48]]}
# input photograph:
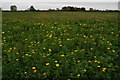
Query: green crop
{"points": [[60, 45]]}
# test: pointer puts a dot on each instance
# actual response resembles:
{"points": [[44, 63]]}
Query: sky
{"points": [[53, 4]]}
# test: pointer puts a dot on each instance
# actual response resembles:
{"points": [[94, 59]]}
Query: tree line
{"points": [[65, 8]]}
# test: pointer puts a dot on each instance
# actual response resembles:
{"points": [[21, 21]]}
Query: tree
{"points": [[83, 9], [57, 9], [13, 8], [91, 9], [32, 8]]}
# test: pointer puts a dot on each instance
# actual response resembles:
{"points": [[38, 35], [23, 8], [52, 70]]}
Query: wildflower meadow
{"points": [[60, 45]]}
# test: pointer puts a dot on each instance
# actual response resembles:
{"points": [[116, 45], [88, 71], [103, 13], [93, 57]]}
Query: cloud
{"points": [[60, 0]]}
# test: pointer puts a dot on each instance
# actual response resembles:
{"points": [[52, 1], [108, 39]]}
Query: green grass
{"points": [[60, 45]]}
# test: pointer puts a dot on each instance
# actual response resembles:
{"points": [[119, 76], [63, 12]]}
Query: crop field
{"points": [[60, 45]]}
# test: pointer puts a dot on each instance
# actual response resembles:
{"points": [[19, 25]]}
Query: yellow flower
{"points": [[50, 50], [17, 59], [25, 72], [50, 36], [89, 61], [47, 63], [60, 45], [78, 61], [35, 70], [66, 61], [91, 36], [73, 58], [30, 55], [104, 69], [76, 50], [17, 53], [44, 73], [96, 61], [113, 50], [78, 75], [5, 50], [26, 39], [68, 39], [108, 48], [3, 32], [33, 67], [112, 32], [29, 46], [91, 48], [53, 43], [47, 54], [44, 48], [72, 53], [9, 50], [33, 52], [84, 70], [26, 54], [57, 65], [94, 56], [110, 44], [98, 66], [14, 48], [62, 55], [56, 61]]}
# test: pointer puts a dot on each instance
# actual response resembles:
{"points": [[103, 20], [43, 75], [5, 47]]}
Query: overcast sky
{"points": [[47, 4]]}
